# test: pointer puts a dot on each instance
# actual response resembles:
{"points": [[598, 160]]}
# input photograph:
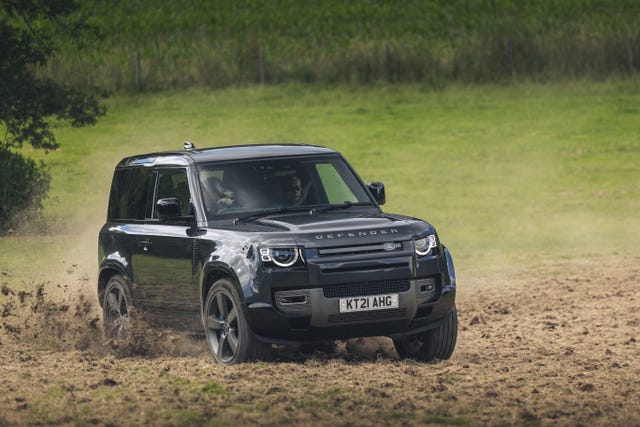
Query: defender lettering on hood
{"points": [[347, 234]]}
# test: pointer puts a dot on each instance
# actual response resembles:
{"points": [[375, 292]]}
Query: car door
{"points": [[163, 261]]}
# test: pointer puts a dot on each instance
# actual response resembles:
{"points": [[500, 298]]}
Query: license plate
{"points": [[373, 302]]}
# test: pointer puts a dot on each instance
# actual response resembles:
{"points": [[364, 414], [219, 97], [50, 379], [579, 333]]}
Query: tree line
{"points": [[150, 45]]}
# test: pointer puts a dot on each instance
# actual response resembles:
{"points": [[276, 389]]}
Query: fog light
{"points": [[296, 302], [426, 285], [297, 299]]}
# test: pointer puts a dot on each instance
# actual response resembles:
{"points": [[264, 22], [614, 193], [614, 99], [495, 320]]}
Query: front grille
{"points": [[361, 289], [361, 249], [367, 267], [368, 316]]}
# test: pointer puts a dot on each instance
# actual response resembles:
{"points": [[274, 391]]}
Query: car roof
{"points": [[226, 153]]}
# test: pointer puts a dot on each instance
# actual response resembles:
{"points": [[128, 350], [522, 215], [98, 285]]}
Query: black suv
{"points": [[270, 244]]}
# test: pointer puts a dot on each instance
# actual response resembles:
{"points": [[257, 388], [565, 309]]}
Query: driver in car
{"points": [[219, 196], [294, 192]]}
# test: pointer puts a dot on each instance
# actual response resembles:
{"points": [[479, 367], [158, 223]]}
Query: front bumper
{"points": [[301, 305], [314, 314]]}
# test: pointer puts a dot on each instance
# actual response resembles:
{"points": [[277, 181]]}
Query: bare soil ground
{"points": [[555, 343]]}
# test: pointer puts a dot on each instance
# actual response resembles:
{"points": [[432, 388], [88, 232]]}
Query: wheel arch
{"points": [[106, 273], [450, 267], [213, 273]]}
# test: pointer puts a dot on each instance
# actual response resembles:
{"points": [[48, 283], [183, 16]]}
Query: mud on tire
{"points": [[116, 305], [227, 332], [434, 344]]}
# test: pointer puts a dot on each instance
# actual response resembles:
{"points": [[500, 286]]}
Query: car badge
{"points": [[389, 246]]}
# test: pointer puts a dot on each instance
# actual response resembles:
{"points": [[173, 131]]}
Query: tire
{"points": [[434, 344], [115, 308], [227, 332]]}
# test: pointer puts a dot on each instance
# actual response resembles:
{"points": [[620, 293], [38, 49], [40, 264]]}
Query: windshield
{"points": [[246, 187]]}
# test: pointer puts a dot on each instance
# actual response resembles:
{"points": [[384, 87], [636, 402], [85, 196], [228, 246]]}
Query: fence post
{"points": [[261, 59], [630, 48], [138, 72], [387, 62]]}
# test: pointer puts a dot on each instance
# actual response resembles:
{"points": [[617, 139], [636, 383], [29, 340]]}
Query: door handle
{"points": [[144, 244]]}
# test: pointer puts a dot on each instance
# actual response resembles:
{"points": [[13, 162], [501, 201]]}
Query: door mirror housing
{"points": [[168, 209], [377, 191]]}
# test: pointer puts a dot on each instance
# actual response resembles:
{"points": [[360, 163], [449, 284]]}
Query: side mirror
{"points": [[377, 191], [168, 208]]}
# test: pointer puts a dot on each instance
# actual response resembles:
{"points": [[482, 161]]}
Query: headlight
{"points": [[424, 245], [282, 257]]}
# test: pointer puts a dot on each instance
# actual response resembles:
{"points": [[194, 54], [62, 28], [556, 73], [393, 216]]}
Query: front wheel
{"points": [[434, 344], [228, 334]]}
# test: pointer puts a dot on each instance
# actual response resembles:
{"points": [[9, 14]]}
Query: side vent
{"points": [[195, 259]]}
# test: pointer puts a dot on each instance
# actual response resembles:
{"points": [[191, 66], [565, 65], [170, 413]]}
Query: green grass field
{"points": [[508, 175]]}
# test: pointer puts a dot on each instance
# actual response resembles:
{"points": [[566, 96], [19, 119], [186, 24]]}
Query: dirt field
{"points": [[555, 343]]}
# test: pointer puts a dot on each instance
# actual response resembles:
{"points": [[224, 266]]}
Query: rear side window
{"points": [[174, 183], [129, 199]]}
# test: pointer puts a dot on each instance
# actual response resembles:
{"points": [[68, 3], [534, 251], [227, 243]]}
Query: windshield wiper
{"points": [[267, 212], [345, 205], [284, 210]]}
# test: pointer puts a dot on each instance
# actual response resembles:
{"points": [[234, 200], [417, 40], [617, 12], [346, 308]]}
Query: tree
{"points": [[28, 103]]}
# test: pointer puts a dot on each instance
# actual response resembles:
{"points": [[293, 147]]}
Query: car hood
{"points": [[338, 229]]}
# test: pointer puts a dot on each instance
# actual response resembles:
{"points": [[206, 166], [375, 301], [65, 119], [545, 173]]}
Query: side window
{"points": [[334, 186], [129, 198], [173, 183]]}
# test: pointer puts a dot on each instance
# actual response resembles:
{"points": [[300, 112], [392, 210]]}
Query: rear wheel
{"points": [[115, 308], [434, 344], [228, 334]]}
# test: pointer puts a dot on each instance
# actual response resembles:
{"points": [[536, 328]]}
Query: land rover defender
{"points": [[270, 244]]}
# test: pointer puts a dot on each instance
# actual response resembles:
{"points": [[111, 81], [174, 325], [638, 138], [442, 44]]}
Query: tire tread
{"points": [[438, 343]]}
